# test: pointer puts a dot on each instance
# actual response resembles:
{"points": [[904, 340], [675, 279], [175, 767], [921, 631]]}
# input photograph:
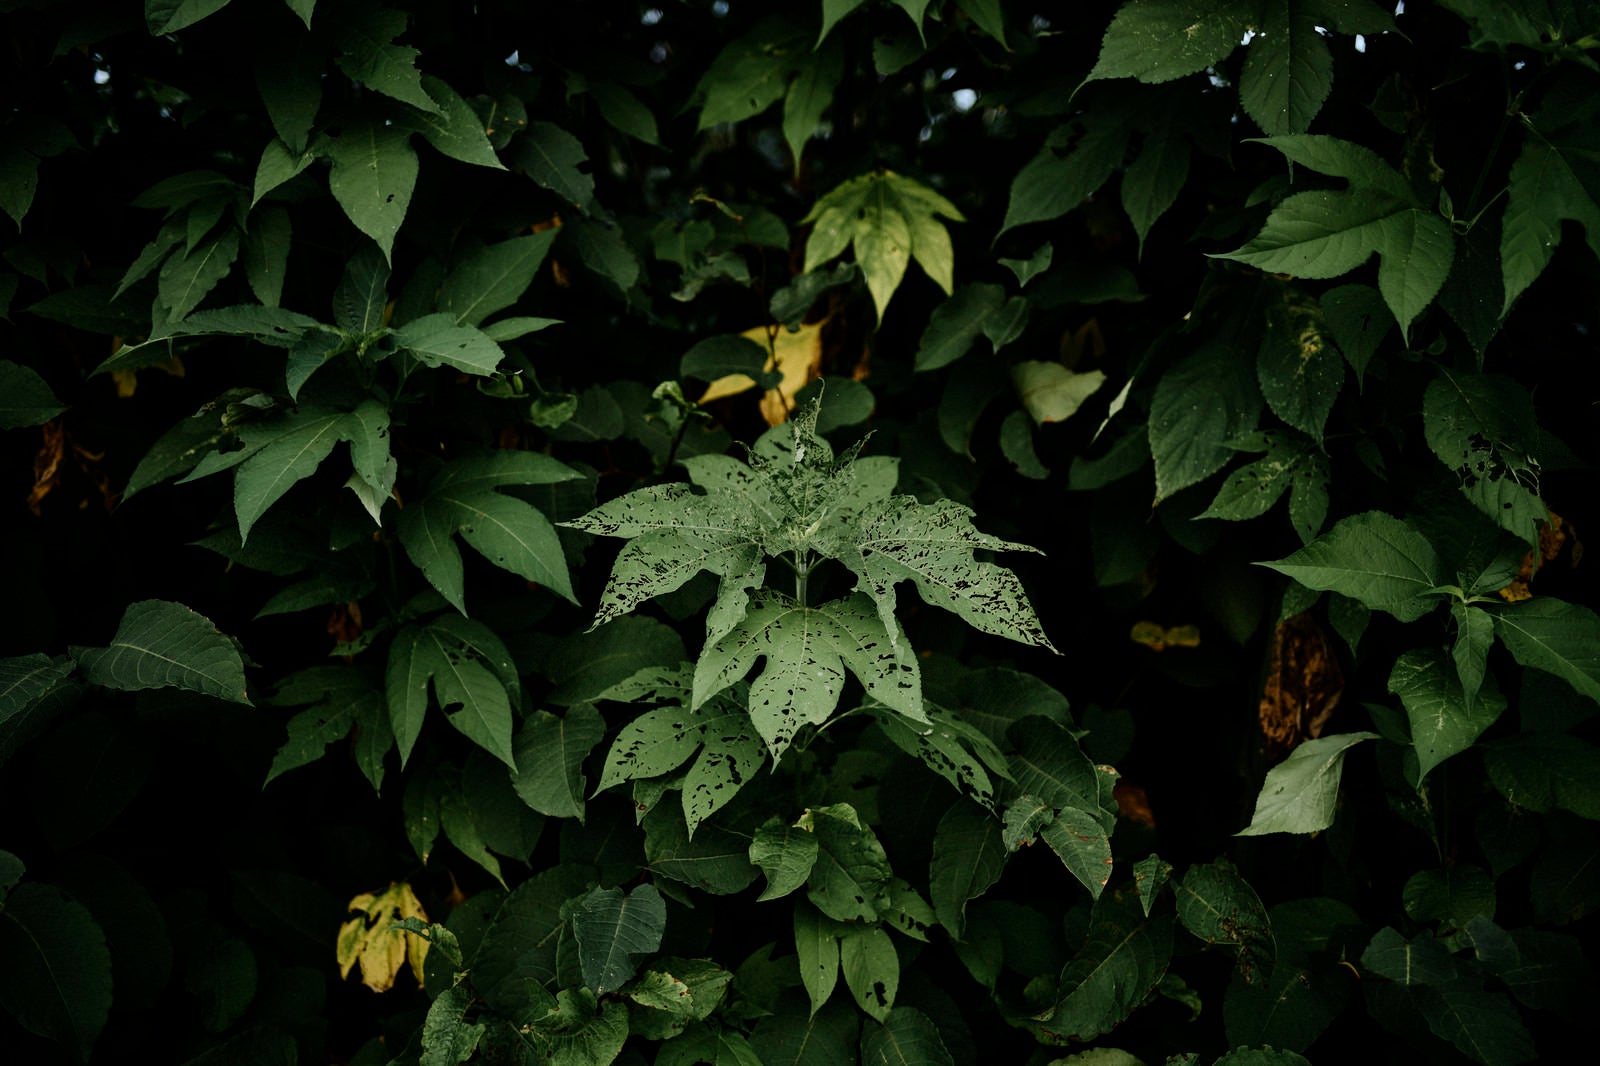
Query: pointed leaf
{"points": [[57, 978], [374, 173], [1443, 722], [1156, 41], [613, 930], [1560, 638], [1374, 558], [1300, 793], [160, 644], [549, 754]]}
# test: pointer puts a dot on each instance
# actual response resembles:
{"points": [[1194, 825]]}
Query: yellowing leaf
{"points": [[1157, 637], [797, 356], [370, 939]]}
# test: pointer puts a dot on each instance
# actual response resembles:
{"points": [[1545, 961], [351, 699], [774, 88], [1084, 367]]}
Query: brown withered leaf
{"points": [[1133, 804], [1303, 686], [1553, 535], [47, 463]]}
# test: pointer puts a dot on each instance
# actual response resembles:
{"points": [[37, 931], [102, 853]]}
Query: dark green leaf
{"points": [[57, 978], [1443, 721], [166, 645], [1374, 558], [613, 930], [549, 754]]}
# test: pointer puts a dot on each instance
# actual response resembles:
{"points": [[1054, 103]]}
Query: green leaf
{"points": [[809, 96], [625, 112], [338, 696], [1359, 321], [968, 858], [604, 251], [266, 253], [1485, 1025], [1288, 70], [298, 444], [1443, 721], [597, 664], [723, 356], [1052, 393], [1559, 638], [816, 943], [1152, 182], [462, 498], [1150, 876], [277, 165], [1083, 845], [368, 54], [1420, 961], [751, 73], [850, 880], [170, 16], [549, 754], [494, 277], [25, 399], [1300, 372], [905, 1037], [956, 323], [1374, 558], [57, 978], [374, 173], [453, 127], [1157, 40], [943, 748], [660, 741], [1324, 234], [437, 340], [1454, 895], [187, 279], [447, 1039], [1548, 185], [1356, 163], [166, 645], [1482, 427], [1251, 490], [807, 650], [1122, 959], [1474, 635], [1189, 439], [1049, 764], [290, 84], [889, 220], [871, 969], [1051, 184], [550, 156], [1300, 793], [791, 1036], [614, 930], [470, 674], [30, 691], [1262, 1057], [1219, 906], [362, 295], [786, 854], [1541, 772]]}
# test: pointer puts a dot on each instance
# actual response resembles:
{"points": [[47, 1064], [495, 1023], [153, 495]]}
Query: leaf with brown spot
{"points": [[1304, 684]]}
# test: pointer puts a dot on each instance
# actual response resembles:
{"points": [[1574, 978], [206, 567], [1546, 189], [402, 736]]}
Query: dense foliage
{"points": [[552, 533]]}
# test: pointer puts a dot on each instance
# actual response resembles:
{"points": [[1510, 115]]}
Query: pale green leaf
{"points": [[369, 55], [613, 930], [1052, 393], [1300, 793], [1560, 638], [1157, 40], [160, 644], [1374, 558], [374, 173]]}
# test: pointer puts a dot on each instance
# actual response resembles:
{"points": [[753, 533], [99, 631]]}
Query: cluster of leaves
{"points": [[301, 298]]}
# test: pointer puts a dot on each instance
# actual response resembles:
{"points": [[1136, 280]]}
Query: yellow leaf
{"points": [[797, 356], [1157, 637], [370, 939]]}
